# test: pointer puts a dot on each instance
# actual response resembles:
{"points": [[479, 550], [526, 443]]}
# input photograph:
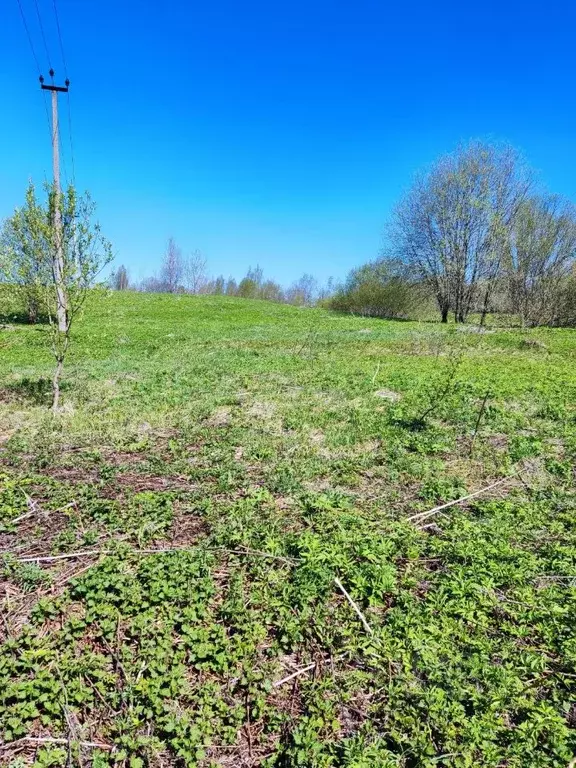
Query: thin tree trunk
{"points": [[32, 313], [485, 308], [56, 384]]}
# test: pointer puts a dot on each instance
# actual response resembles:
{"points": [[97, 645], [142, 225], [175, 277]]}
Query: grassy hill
{"points": [[275, 455]]}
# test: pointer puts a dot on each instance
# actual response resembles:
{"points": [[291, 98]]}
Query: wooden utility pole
{"points": [[58, 260]]}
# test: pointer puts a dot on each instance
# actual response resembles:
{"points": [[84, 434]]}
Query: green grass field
{"points": [[270, 450]]}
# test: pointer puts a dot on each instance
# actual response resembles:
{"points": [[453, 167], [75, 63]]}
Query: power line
{"points": [[36, 60], [63, 157], [61, 43], [42, 32], [29, 37], [44, 99], [35, 57], [60, 37], [71, 142]]}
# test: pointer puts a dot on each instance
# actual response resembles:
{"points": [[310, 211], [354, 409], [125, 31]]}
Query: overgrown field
{"points": [[268, 451]]}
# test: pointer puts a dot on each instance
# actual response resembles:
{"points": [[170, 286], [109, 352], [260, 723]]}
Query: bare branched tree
{"points": [[303, 291], [450, 227], [194, 272], [328, 289], [231, 287], [120, 279], [540, 257], [172, 270]]}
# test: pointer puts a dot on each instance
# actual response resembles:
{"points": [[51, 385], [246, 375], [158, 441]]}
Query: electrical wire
{"points": [[29, 37], [42, 33], [63, 55], [71, 141], [60, 37], [35, 57], [36, 60]]}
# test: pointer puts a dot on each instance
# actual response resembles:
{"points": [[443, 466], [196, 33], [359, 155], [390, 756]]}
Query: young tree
{"points": [[172, 269], [231, 287], [256, 274], [271, 291], [327, 290], [84, 253], [120, 279], [303, 291], [540, 256], [451, 226], [218, 286], [152, 285], [194, 272], [23, 263]]}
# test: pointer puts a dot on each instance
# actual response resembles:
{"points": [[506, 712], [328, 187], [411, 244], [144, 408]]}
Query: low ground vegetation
{"points": [[171, 541]]}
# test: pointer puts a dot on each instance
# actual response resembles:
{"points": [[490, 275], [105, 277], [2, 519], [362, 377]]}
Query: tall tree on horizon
{"points": [[451, 227], [541, 255], [121, 279], [172, 269]]}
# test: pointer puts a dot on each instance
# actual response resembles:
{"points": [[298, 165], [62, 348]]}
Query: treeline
{"points": [[189, 274], [473, 235]]}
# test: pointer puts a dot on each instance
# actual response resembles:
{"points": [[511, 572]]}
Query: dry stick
{"points": [[32, 508], [298, 672], [367, 626], [73, 575], [423, 515], [478, 420], [35, 509], [23, 517], [51, 558], [68, 555], [248, 727], [87, 553], [46, 740]]}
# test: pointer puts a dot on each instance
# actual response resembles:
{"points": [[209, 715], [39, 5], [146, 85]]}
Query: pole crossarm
{"points": [[61, 88]]}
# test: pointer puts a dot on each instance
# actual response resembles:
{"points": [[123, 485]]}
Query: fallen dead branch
{"points": [[66, 556], [93, 552], [49, 740], [421, 516], [367, 626], [298, 672], [33, 508]]}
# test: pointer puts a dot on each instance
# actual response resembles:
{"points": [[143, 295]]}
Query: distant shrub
{"points": [[379, 289], [566, 309]]}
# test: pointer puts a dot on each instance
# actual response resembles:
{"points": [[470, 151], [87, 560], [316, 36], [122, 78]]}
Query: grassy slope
{"points": [[224, 426]]}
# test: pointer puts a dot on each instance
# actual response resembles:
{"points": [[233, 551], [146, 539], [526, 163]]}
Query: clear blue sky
{"points": [[281, 132]]}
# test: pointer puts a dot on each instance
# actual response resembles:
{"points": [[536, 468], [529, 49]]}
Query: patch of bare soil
{"points": [[187, 527], [261, 410], [138, 482], [388, 394], [221, 417]]}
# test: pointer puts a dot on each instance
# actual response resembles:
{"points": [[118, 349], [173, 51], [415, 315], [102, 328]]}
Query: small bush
{"points": [[379, 289]]}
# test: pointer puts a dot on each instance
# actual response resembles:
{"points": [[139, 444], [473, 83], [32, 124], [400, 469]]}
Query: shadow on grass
{"points": [[411, 424], [35, 391], [21, 318]]}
